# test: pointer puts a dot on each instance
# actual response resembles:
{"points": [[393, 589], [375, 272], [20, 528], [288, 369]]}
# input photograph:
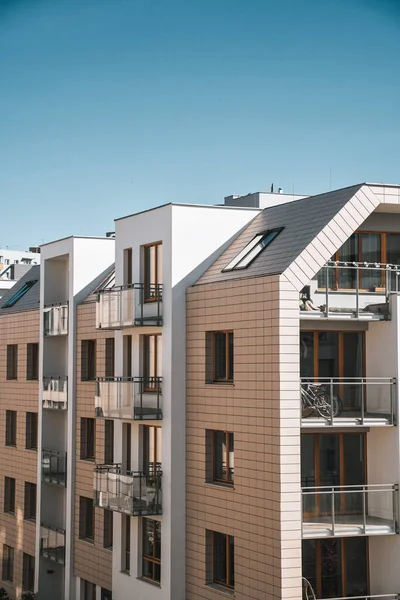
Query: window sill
{"points": [[31, 449], [150, 581], [221, 589], [224, 383], [92, 460], [124, 572], [220, 484], [109, 548], [86, 540], [9, 513], [30, 520], [10, 445]]}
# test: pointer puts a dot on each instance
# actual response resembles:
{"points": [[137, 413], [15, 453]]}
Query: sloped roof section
{"points": [[30, 300], [302, 221]]}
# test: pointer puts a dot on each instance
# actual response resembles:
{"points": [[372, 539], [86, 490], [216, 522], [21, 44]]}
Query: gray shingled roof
{"points": [[29, 300], [302, 221]]}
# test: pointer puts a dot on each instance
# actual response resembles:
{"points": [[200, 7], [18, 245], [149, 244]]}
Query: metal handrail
{"points": [[367, 597], [53, 304], [327, 489], [52, 528], [157, 287]]}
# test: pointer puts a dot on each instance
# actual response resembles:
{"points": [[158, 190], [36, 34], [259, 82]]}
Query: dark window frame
{"points": [[108, 529], [89, 590], [88, 360], [108, 441], [229, 361], [9, 495], [11, 428], [110, 357], [86, 519], [106, 594], [32, 361], [230, 578], [229, 447], [88, 439], [7, 573], [152, 289], [31, 431], [259, 242], [151, 560], [12, 362], [28, 572], [126, 544], [21, 292], [30, 491], [150, 382]]}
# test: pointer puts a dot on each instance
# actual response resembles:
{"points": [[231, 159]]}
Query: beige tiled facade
{"points": [[262, 511], [92, 562], [20, 395]]}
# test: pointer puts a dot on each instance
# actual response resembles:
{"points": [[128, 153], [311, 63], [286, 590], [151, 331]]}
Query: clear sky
{"points": [[108, 107]]}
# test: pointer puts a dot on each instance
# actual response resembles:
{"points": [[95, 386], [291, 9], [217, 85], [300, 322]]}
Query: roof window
{"points": [[21, 292], [252, 250]]}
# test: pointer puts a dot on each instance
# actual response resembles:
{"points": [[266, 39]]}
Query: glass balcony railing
{"points": [[52, 543], [349, 510], [54, 467], [136, 398], [55, 319], [348, 401], [129, 492], [350, 289], [129, 306], [55, 393]]}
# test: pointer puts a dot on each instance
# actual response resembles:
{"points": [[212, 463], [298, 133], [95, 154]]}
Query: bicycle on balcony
{"points": [[320, 398]]}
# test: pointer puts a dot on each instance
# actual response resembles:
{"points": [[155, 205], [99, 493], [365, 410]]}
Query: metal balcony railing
{"points": [[348, 401], [360, 290], [55, 319], [131, 305], [131, 492], [379, 597], [55, 393], [52, 543], [349, 510], [54, 467], [136, 398]]}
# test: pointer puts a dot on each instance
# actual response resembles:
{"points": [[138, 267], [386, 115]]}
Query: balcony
{"points": [[132, 493], [347, 402], [338, 511], [55, 393], [127, 306], [350, 290], [129, 398], [55, 319], [54, 467], [52, 543]]}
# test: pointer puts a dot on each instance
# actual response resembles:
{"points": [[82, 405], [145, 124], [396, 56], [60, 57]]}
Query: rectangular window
{"points": [[108, 529], [151, 550], [9, 495], [152, 361], [152, 256], [31, 431], [128, 266], [88, 437], [88, 360], [151, 437], [126, 446], [86, 519], [110, 356], [106, 594], [88, 590], [222, 457], [221, 356], [30, 501], [126, 543], [8, 563], [11, 427], [223, 560], [108, 442], [12, 361], [252, 250], [21, 292], [32, 361], [28, 572]]}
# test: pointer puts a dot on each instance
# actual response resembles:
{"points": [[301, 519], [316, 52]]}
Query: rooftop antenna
{"points": [[272, 188]]}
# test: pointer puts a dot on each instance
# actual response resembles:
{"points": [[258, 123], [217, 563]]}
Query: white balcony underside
{"points": [[346, 525], [348, 421], [340, 316]]}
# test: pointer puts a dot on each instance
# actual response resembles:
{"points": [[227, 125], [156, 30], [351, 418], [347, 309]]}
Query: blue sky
{"points": [[108, 107]]}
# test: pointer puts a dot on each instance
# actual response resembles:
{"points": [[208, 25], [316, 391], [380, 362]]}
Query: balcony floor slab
{"points": [[346, 525]]}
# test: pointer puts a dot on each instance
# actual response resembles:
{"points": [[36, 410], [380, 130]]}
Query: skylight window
{"points": [[252, 250], [21, 292]]}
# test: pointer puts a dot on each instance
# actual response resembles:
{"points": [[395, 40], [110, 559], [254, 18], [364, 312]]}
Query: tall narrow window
{"points": [[30, 501], [108, 442], [152, 256], [223, 457], [31, 431], [11, 427], [88, 590], [151, 554], [152, 361], [222, 356], [8, 563], [86, 519], [32, 361], [9, 495], [88, 360], [126, 543], [126, 446], [106, 594], [12, 361], [110, 356], [151, 449], [223, 560], [28, 572], [128, 266], [88, 437], [127, 355], [108, 529]]}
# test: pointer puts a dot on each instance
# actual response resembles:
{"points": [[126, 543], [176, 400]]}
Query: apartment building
{"points": [[19, 374], [217, 404], [14, 264]]}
